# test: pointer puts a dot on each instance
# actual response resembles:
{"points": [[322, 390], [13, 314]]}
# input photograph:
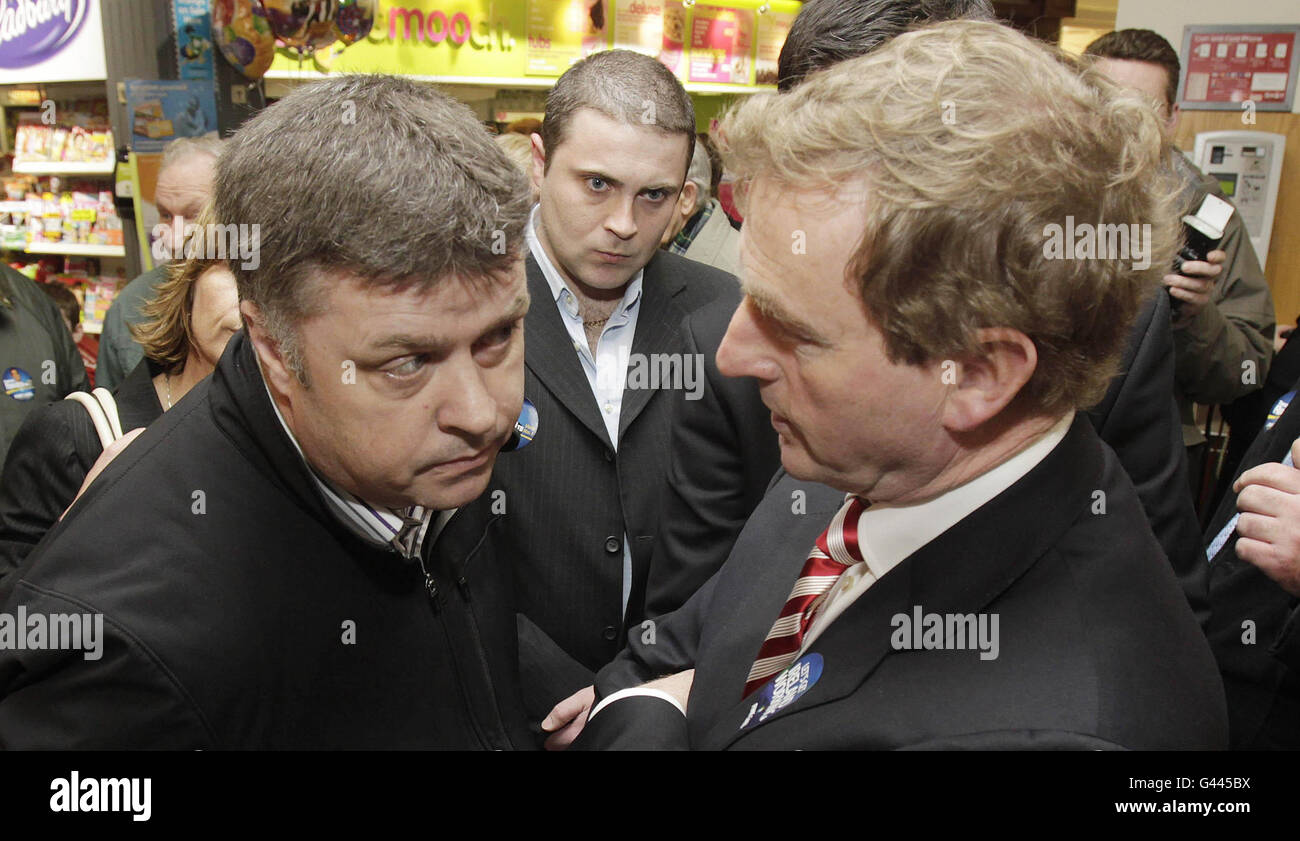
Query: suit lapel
{"points": [[770, 571], [549, 355], [954, 573], [657, 324]]}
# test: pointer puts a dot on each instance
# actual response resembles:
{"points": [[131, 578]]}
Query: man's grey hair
{"points": [[701, 173], [183, 148], [629, 87], [374, 176]]}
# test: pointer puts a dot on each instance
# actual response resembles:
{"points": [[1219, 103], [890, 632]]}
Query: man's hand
{"points": [[105, 458], [1195, 283], [566, 719], [1268, 497], [678, 685]]}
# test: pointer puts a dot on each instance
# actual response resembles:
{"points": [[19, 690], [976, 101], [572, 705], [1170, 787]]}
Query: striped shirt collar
{"points": [[401, 530]]}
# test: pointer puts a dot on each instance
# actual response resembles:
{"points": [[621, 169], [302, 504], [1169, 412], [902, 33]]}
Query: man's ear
{"points": [[278, 374], [539, 160], [981, 387], [686, 199]]}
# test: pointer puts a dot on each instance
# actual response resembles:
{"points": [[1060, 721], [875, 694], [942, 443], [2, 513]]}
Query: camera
{"points": [[1202, 232]]}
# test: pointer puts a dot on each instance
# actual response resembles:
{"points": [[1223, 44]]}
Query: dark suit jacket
{"points": [[1097, 646], [227, 608], [724, 452], [567, 499], [1138, 418], [1254, 624]]}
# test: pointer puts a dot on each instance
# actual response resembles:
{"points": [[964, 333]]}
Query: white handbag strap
{"points": [[103, 414], [106, 400]]}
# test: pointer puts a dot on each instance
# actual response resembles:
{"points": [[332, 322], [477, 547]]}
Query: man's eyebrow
{"points": [[768, 306], [517, 309], [407, 341]]}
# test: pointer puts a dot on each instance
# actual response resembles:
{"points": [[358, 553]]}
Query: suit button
{"points": [[611, 545], [609, 633], [609, 454]]}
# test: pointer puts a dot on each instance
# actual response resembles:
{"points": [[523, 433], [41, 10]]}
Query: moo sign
{"points": [[50, 40]]}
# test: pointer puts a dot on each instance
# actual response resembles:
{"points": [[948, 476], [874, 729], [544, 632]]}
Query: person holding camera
{"points": [[1223, 310]]}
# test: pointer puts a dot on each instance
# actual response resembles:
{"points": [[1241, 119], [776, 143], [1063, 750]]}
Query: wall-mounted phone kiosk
{"points": [[1248, 166]]}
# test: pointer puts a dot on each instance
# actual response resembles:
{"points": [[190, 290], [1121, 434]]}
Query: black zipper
{"points": [[435, 603], [462, 583]]}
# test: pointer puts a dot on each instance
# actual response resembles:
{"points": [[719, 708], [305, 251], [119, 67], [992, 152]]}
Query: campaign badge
{"points": [[525, 428], [18, 384], [1278, 408], [784, 689]]}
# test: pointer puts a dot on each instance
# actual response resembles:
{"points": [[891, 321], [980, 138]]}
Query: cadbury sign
{"points": [[32, 31]]}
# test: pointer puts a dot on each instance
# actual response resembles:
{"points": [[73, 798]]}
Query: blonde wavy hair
{"points": [[166, 332], [972, 140]]}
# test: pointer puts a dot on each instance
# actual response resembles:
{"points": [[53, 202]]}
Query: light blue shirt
{"points": [[606, 370]]}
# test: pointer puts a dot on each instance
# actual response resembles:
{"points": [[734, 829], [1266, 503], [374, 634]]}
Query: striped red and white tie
{"points": [[835, 551]]}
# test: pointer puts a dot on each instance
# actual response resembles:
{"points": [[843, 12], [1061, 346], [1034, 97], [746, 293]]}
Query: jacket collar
{"points": [[137, 400], [549, 354], [242, 408], [657, 326]]}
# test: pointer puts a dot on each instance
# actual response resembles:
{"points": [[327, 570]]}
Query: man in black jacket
{"points": [[279, 562], [1254, 548], [38, 361]]}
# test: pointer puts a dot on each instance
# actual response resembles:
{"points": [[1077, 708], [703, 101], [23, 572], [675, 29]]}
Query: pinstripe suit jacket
{"points": [[569, 498]]}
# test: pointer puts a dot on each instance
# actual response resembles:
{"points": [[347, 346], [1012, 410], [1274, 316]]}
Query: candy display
{"points": [[46, 211], [77, 136]]}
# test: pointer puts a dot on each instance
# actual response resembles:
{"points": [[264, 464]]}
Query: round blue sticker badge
{"points": [[18, 384], [525, 428], [784, 689]]}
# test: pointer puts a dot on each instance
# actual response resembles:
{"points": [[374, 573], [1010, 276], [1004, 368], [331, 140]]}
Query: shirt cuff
{"points": [[635, 691]]}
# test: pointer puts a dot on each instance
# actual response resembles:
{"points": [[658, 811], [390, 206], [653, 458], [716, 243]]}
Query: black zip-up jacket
{"points": [[239, 613]]}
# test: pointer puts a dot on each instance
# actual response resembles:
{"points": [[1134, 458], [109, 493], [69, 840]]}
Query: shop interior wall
{"points": [[1168, 17], [138, 44]]}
